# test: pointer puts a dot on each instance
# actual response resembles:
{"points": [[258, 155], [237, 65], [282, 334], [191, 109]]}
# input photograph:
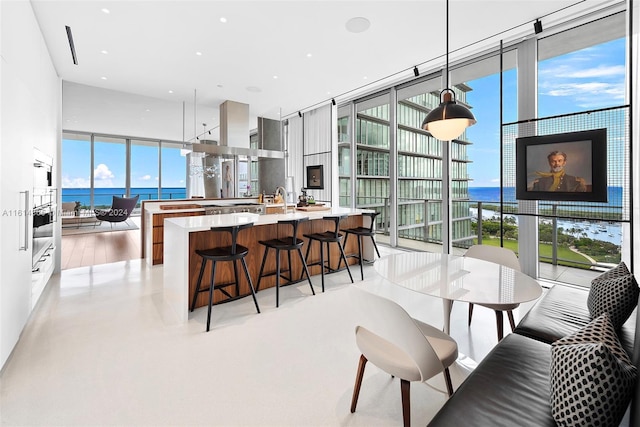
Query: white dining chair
{"points": [[399, 345], [502, 256]]}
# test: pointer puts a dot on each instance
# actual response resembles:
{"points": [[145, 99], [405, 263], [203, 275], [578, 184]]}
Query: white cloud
{"points": [[145, 178], [495, 181], [102, 176], [585, 91], [102, 172], [75, 182], [601, 71]]}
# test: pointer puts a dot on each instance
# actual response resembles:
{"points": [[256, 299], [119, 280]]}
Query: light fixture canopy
{"points": [[449, 120]]}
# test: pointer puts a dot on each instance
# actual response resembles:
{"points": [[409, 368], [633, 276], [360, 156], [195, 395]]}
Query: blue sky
{"points": [[587, 79], [110, 165]]}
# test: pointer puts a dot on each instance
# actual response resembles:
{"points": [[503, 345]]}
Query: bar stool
{"points": [[289, 243], [231, 253], [361, 232], [328, 237]]}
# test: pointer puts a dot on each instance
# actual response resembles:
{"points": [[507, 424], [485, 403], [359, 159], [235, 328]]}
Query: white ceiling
{"points": [[152, 45]]}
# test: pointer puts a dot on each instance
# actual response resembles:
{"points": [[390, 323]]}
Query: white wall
{"points": [[29, 117], [93, 109]]}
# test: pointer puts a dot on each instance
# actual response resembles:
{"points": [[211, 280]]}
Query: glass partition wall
{"points": [[388, 163], [582, 72], [97, 167]]}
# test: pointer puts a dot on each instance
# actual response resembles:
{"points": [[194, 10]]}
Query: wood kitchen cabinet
{"points": [[158, 232]]}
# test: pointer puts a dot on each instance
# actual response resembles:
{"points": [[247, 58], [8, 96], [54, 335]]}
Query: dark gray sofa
{"points": [[511, 386]]}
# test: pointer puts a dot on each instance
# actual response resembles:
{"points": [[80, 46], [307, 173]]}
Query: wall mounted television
{"points": [[562, 167]]}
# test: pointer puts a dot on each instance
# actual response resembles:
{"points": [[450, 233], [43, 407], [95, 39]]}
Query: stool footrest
{"points": [[273, 273]]}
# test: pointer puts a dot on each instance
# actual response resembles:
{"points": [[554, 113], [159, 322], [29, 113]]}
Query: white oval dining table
{"points": [[457, 278]]}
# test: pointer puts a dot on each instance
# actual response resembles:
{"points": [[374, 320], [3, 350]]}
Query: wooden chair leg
{"points": [[356, 387], [406, 403], [470, 312], [499, 324], [447, 379], [511, 320]]}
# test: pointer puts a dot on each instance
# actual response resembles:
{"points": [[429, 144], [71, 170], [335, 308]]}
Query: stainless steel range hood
{"points": [[234, 136], [228, 152]]}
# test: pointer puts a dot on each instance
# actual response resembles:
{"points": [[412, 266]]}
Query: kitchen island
{"points": [[184, 235]]}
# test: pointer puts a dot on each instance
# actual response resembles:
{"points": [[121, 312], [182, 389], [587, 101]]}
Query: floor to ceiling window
{"points": [[420, 166], [581, 79], [109, 172], [372, 156], [76, 169], [344, 155], [486, 87], [144, 169], [173, 171], [97, 167]]}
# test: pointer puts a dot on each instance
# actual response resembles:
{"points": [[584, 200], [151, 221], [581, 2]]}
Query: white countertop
{"points": [[205, 222], [153, 207]]}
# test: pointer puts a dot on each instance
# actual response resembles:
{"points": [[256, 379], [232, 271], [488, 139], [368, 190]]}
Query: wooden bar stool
{"points": [[232, 254], [289, 243], [361, 232], [331, 236]]}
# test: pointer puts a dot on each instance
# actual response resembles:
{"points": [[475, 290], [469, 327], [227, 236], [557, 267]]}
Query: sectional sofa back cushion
{"points": [[592, 378], [615, 293]]}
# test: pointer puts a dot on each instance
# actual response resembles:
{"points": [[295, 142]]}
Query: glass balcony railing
{"points": [[103, 197], [578, 243]]}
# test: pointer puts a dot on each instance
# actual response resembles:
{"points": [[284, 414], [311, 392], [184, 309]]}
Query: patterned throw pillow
{"points": [[616, 296], [617, 271], [592, 379]]}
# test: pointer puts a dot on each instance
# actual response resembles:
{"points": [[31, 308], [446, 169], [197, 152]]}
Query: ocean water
{"points": [[492, 194], [103, 196], [597, 230]]}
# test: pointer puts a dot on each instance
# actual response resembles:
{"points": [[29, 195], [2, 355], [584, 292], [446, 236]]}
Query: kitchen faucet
{"points": [[284, 198]]}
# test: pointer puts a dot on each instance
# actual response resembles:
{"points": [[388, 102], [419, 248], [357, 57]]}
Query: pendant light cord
{"points": [[447, 43]]}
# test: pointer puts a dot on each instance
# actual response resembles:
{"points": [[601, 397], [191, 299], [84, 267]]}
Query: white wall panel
{"points": [[30, 116]]}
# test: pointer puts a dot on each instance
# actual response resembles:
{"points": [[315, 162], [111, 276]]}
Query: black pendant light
{"points": [[449, 119]]}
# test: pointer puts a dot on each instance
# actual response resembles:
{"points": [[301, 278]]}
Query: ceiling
{"points": [[280, 57]]}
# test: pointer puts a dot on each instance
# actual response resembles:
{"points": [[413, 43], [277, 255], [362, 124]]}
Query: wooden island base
{"points": [[250, 238], [188, 234]]}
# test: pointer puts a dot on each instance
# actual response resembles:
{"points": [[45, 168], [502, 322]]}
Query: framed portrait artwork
{"points": [[315, 177], [565, 166]]}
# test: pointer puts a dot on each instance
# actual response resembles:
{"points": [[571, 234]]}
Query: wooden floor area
{"points": [[82, 250]]}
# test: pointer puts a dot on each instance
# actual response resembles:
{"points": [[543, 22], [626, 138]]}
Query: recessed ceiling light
{"points": [[329, 93], [220, 86], [170, 91], [147, 110], [105, 10], [103, 78], [199, 53], [275, 77], [357, 24], [365, 77], [104, 52], [309, 55], [223, 20]]}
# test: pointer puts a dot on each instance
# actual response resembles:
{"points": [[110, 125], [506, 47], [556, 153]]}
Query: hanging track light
{"points": [[449, 120]]}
